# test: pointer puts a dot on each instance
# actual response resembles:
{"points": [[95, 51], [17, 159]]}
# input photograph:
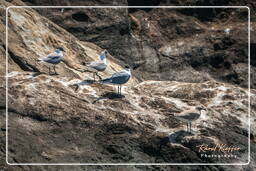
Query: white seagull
{"points": [[119, 78], [99, 65], [189, 116], [53, 58]]}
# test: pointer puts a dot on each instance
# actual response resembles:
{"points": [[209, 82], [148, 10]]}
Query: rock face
{"points": [[51, 120], [94, 125], [40, 37], [166, 44]]}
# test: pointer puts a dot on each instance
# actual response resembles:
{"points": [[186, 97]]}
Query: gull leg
{"points": [[98, 76], [190, 127], [49, 68], [120, 90], [94, 76], [54, 69], [187, 127]]}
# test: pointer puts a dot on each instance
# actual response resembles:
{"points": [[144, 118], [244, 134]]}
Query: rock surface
{"points": [[211, 43], [94, 125], [39, 37], [132, 126], [49, 120]]}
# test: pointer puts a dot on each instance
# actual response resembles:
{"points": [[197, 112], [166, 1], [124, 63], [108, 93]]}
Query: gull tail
{"points": [[106, 81], [85, 82], [86, 63], [180, 118], [40, 60]]}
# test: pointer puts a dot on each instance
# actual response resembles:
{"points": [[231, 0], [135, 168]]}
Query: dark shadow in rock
{"points": [[109, 95], [53, 74], [80, 17], [142, 3], [178, 136], [40, 73], [37, 74]]}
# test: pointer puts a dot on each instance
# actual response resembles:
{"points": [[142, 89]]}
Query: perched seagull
{"points": [[53, 58], [227, 30], [119, 78], [99, 65], [189, 116]]}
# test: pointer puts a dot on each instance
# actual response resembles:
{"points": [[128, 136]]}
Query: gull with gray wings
{"points": [[189, 116], [119, 78], [54, 58], [100, 65]]}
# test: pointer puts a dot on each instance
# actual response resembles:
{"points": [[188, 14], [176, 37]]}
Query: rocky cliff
{"points": [[51, 121], [167, 44]]}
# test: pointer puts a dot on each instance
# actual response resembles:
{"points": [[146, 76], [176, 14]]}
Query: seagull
{"points": [[119, 78], [53, 58], [227, 30], [99, 65], [190, 115]]}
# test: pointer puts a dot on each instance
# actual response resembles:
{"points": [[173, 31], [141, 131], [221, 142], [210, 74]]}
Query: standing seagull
{"points": [[119, 78], [190, 115], [53, 58], [99, 65]]}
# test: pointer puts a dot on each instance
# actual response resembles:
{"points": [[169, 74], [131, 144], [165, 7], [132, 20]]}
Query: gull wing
{"points": [[98, 65], [188, 116], [119, 74], [118, 78], [51, 56]]}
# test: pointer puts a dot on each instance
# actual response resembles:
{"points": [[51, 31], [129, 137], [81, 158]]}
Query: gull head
{"points": [[127, 69], [59, 50], [103, 54], [200, 108]]}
